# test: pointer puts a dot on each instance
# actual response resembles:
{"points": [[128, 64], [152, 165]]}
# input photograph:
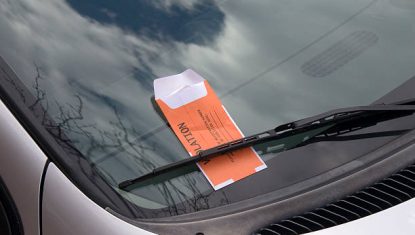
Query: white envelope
{"points": [[180, 89]]}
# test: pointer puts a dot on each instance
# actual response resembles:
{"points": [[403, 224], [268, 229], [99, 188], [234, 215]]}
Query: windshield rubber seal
{"points": [[294, 200], [118, 206], [16, 97]]}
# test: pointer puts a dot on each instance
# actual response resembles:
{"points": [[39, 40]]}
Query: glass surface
{"points": [[91, 65]]}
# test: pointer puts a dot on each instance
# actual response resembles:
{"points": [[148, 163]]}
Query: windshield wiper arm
{"points": [[332, 117]]}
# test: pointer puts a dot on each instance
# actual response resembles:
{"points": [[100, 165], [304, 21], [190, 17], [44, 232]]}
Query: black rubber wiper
{"points": [[351, 118]]}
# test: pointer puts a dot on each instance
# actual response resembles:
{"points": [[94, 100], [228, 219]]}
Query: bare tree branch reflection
{"points": [[67, 124], [40, 94]]}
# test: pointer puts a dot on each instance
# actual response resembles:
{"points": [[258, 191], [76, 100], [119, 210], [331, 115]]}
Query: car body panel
{"points": [[116, 68], [67, 56], [66, 210], [21, 166]]}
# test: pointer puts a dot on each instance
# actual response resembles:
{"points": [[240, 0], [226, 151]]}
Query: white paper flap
{"points": [[180, 89]]}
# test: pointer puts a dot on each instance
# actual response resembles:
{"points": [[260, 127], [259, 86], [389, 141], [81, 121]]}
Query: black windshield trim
{"points": [[96, 189], [17, 98], [337, 116], [280, 204]]}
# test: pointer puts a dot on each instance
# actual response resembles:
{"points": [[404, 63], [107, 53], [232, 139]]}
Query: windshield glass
{"points": [[91, 66]]}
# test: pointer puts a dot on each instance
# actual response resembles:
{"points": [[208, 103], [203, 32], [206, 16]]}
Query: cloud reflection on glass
{"points": [[102, 56]]}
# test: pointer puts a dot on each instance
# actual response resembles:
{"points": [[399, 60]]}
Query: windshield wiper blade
{"points": [[333, 117]]}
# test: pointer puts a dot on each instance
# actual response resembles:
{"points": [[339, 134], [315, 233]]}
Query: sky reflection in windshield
{"points": [[103, 56]]}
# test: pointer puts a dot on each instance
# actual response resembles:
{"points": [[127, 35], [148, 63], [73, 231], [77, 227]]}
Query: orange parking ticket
{"points": [[200, 121]]}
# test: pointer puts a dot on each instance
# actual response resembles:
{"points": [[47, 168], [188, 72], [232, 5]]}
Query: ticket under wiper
{"points": [[336, 121], [200, 121]]}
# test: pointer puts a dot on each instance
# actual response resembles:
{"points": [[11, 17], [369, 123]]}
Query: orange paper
{"points": [[200, 121]]}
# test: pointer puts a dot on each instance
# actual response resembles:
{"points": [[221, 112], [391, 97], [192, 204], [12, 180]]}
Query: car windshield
{"points": [[91, 66]]}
